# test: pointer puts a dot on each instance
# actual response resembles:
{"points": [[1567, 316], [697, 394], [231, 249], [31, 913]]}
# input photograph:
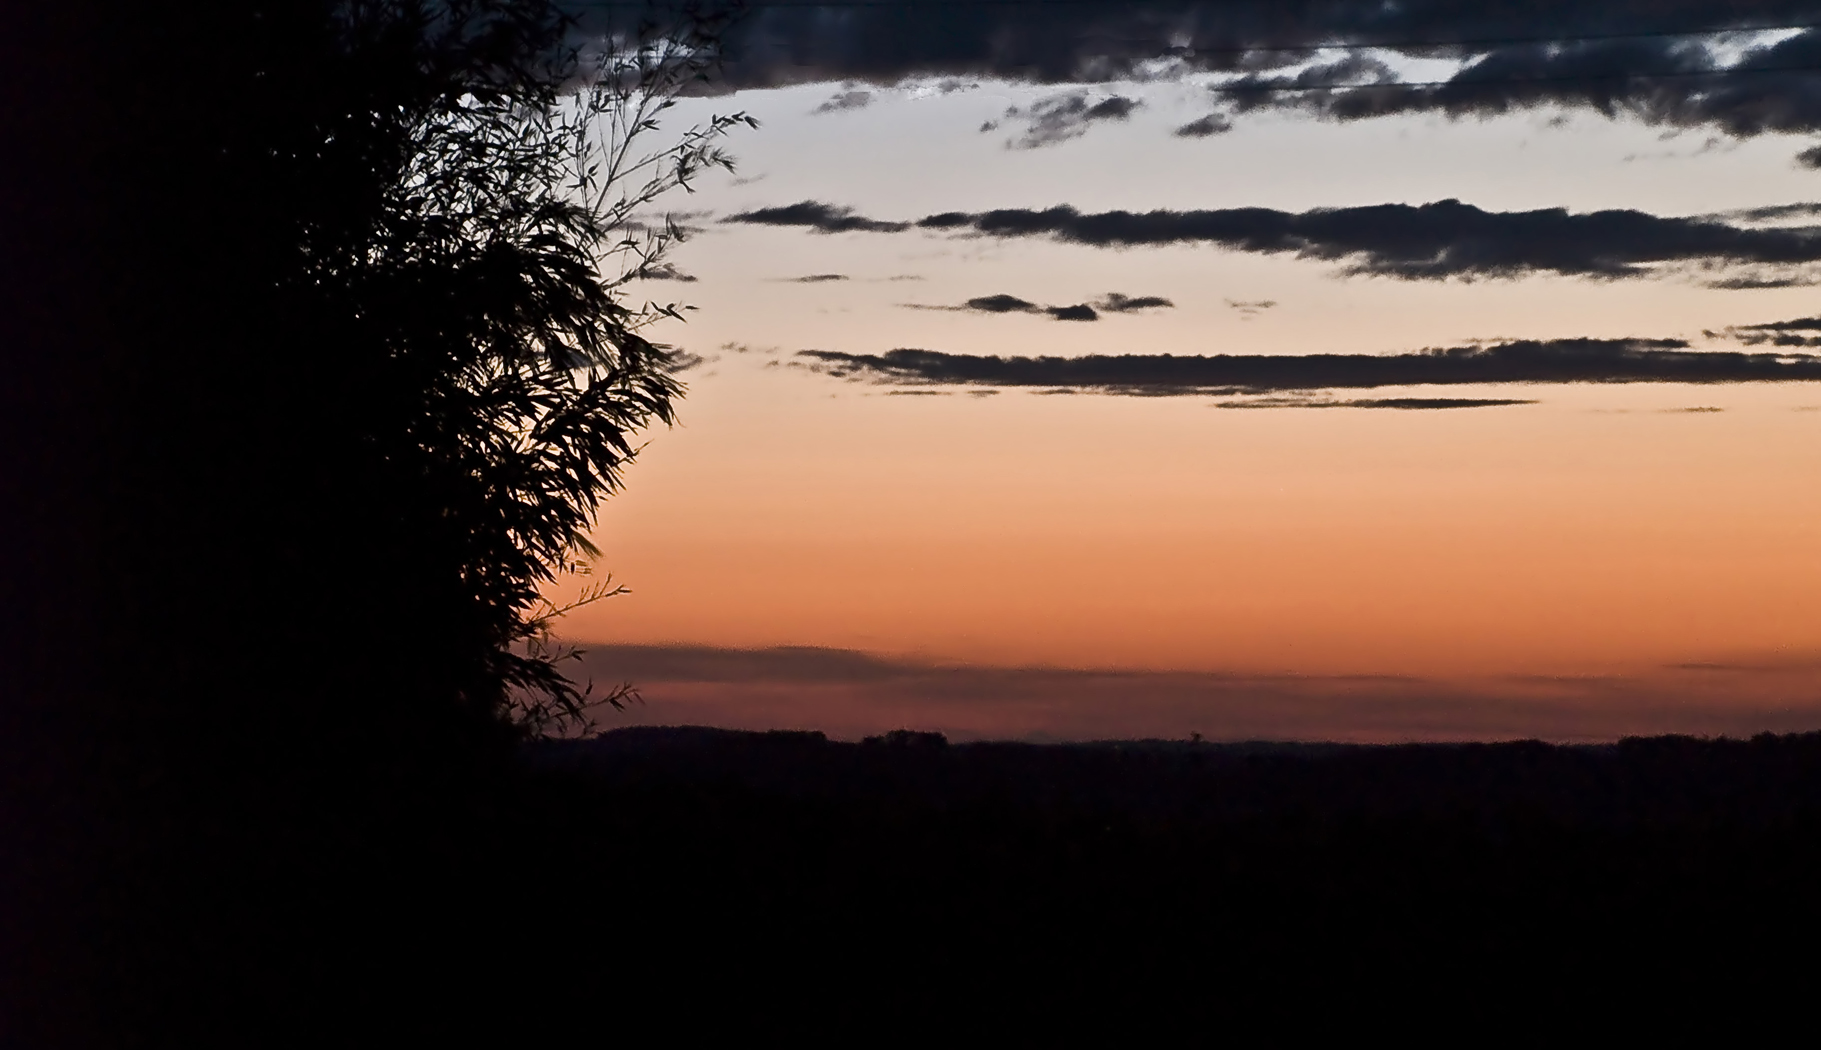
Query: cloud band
{"points": [[1439, 240], [1522, 361]]}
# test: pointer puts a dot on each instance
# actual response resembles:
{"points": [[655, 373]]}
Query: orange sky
{"points": [[1606, 529], [1602, 528]]}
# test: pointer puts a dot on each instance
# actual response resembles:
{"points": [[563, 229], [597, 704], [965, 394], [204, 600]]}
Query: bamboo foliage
{"points": [[486, 291]]}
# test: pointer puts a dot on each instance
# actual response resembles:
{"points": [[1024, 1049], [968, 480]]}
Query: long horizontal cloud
{"points": [[800, 41], [1416, 404], [1647, 60], [1427, 241], [1524, 361], [1112, 302], [815, 215]]}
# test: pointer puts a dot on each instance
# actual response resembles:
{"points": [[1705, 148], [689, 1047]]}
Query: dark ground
{"points": [[1150, 877], [684, 881], [223, 822]]}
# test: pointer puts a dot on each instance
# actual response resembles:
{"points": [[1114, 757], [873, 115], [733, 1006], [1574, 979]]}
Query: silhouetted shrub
{"points": [[907, 738]]}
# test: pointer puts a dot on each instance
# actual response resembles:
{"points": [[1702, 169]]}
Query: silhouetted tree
{"points": [[482, 285], [319, 359]]}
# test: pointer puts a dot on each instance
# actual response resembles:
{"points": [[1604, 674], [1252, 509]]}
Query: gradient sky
{"points": [[1488, 554]]}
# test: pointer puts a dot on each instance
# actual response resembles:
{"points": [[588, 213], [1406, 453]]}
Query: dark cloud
{"points": [[1438, 240], [845, 100], [1774, 213], [743, 348], [1522, 361], [1635, 59], [1353, 70], [1775, 333], [1088, 41], [676, 224], [1443, 239], [1424, 403], [1212, 124], [1411, 403], [1062, 117], [1800, 324], [824, 218], [1002, 304], [1010, 304], [684, 361], [816, 278], [667, 272], [1756, 281], [1113, 302], [1674, 81]]}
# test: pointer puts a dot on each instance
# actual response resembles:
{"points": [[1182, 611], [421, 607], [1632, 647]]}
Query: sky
{"points": [[1321, 371]]}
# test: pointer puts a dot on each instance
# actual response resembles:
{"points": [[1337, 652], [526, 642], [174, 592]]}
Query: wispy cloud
{"points": [[1776, 333], [744, 348], [1061, 117], [845, 100]]}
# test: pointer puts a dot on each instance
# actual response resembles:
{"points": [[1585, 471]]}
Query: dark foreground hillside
{"points": [[1198, 877], [686, 878]]}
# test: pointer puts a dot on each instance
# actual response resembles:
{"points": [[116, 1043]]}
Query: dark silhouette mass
{"points": [[1114, 882], [314, 377]]}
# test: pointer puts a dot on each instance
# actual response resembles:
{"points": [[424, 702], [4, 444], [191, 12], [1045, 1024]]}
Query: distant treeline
{"points": [[1636, 782], [1134, 876], [677, 881]]}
